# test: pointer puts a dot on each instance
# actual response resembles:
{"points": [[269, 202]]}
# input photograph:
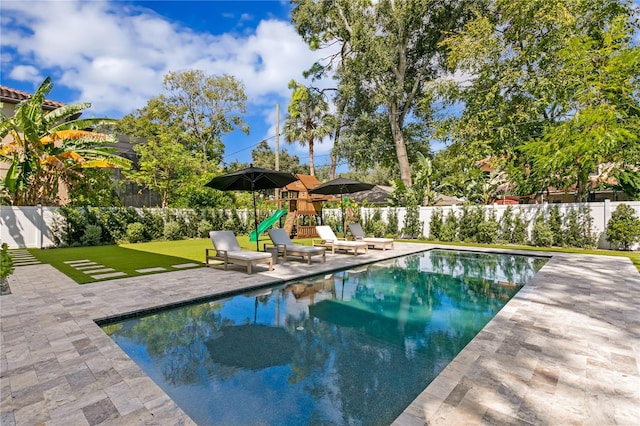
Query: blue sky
{"points": [[114, 55]]}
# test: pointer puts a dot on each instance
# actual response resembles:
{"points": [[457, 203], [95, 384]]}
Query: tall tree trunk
{"points": [[312, 170], [336, 140], [401, 147]]}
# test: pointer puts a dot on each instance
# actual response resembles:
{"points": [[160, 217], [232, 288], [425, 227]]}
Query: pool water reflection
{"points": [[351, 347]]}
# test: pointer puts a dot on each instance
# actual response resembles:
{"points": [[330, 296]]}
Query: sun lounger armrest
{"points": [[282, 248]]}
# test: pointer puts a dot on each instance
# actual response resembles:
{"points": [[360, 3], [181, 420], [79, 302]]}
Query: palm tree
{"points": [[47, 148], [308, 120]]}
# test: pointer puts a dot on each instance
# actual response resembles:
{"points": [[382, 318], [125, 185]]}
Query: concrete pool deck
{"points": [[564, 350]]}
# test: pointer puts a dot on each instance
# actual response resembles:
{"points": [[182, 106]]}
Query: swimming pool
{"points": [[350, 347]]}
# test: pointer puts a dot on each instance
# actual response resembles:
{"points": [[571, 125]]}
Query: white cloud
{"points": [[115, 56], [26, 73]]}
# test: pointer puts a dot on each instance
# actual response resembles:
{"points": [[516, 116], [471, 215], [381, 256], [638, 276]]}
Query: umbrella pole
{"points": [[255, 218], [344, 231]]}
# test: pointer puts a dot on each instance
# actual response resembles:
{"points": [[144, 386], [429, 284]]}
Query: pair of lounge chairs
{"points": [[329, 239], [227, 249]]}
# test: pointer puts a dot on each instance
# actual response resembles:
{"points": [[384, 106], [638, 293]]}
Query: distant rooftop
{"points": [[15, 96]]}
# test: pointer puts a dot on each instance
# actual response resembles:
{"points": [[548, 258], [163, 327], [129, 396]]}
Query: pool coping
{"points": [[58, 367]]}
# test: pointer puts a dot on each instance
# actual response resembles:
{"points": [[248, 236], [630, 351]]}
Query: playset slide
{"points": [[266, 224]]}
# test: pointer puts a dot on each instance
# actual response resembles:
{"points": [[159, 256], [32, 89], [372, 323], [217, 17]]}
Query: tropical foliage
{"points": [[47, 148], [309, 119]]}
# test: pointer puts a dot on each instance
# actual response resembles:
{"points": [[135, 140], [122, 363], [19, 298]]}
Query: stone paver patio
{"points": [[564, 350]]}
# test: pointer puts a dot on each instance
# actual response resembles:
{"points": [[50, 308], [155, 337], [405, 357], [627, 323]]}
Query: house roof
{"points": [[14, 96], [377, 195], [304, 182]]}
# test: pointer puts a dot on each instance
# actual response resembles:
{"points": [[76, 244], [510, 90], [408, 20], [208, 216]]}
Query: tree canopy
{"points": [[552, 92], [388, 51]]}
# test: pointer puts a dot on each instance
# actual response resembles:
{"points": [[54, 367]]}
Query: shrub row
{"points": [[78, 226], [473, 224]]}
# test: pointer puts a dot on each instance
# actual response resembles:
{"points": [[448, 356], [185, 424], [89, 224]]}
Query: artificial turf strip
{"points": [[121, 259]]}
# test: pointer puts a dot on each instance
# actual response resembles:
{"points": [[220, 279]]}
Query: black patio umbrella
{"points": [[341, 186], [252, 179]]}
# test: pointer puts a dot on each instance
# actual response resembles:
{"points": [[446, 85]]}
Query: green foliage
{"points": [[469, 220], [623, 228], [520, 234], [44, 148], [164, 166], [135, 232], [264, 156], [309, 119], [578, 228], [152, 225], [505, 230], [173, 231], [205, 107], [435, 225], [450, 227], [392, 222], [487, 231], [560, 103], [92, 235], [555, 225], [542, 234], [412, 224], [388, 52], [6, 262], [204, 228]]}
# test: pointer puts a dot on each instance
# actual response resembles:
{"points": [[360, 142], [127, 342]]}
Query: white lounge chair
{"points": [[286, 248], [329, 240], [228, 251], [373, 242]]}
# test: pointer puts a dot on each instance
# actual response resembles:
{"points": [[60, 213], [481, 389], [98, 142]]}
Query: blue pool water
{"points": [[350, 347]]}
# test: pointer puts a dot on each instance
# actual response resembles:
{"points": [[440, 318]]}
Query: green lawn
{"points": [[128, 258]]}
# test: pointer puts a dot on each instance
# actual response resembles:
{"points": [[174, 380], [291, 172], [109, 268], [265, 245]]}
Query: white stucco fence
{"points": [[29, 227]]}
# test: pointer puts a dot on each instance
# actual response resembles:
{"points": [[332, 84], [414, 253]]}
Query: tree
{"points": [[309, 118], [197, 111], [623, 229], [164, 167], [45, 149], [389, 50], [208, 107], [553, 89], [264, 156]]}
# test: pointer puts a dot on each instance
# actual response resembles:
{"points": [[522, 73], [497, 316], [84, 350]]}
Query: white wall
{"points": [[31, 226]]}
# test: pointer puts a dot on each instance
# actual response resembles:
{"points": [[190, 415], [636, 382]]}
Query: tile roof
{"points": [[15, 96]]}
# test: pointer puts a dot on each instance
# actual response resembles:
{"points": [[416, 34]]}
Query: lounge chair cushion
{"points": [[228, 250], [285, 246], [359, 235], [330, 240]]}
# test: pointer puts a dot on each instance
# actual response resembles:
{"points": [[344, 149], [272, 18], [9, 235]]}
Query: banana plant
{"points": [[46, 148]]}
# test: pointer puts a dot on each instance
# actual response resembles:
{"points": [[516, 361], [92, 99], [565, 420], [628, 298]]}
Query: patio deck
{"points": [[564, 350]]}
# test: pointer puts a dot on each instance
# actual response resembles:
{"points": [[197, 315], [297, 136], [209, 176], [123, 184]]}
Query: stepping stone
{"points": [[27, 263], [72, 262], [87, 266], [185, 265], [111, 275], [93, 271], [147, 270]]}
